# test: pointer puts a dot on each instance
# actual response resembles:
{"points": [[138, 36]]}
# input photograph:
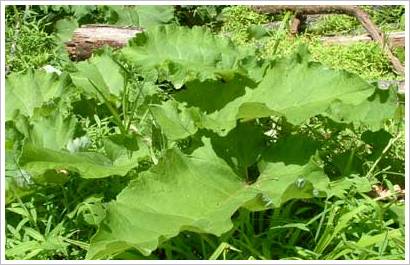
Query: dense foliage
{"points": [[185, 144]]}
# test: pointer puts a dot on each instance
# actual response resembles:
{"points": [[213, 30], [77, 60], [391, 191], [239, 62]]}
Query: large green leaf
{"points": [[279, 183], [12, 141], [99, 77], [241, 147], [299, 89], [39, 160], [150, 16], [64, 29], [198, 193], [18, 183], [292, 87], [176, 121], [142, 16], [82, 11], [30, 90], [342, 186], [288, 170], [53, 131], [373, 112], [218, 101], [293, 149], [181, 54]]}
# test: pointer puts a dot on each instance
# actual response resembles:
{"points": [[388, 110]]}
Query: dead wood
{"points": [[396, 39], [90, 37]]}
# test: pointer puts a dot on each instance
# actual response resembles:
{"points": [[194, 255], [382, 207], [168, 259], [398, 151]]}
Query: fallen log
{"points": [[90, 37], [396, 39], [351, 10]]}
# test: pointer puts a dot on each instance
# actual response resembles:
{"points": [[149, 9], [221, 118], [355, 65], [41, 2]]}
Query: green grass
{"points": [[357, 227], [28, 45], [388, 18], [33, 37], [352, 228]]}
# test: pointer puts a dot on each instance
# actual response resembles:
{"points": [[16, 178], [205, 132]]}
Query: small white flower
{"points": [[50, 69], [78, 144]]}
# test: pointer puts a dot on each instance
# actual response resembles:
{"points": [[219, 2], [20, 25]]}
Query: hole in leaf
{"points": [[253, 174]]}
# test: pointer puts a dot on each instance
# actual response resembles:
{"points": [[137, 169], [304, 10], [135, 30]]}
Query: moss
{"points": [[237, 19], [334, 25], [365, 59]]}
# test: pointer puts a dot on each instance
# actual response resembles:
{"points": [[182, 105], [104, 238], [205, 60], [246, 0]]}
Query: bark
{"points": [[396, 39], [294, 26], [90, 37], [355, 11]]}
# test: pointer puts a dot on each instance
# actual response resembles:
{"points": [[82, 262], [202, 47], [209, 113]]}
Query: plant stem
{"points": [[280, 32], [385, 150], [133, 108], [113, 111]]}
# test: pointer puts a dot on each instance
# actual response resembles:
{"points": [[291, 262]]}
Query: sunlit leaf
{"points": [[181, 54], [31, 90]]}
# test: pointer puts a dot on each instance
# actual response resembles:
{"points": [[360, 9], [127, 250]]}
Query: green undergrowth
{"points": [[228, 141], [387, 18], [364, 59], [237, 20], [28, 45], [335, 24]]}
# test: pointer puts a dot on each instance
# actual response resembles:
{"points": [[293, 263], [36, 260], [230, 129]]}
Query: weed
{"points": [[334, 24], [237, 19], [28, 46], [364, 59]]}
